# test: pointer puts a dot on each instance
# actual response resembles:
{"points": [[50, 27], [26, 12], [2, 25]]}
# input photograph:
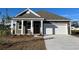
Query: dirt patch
{"points": [[23, 43]]}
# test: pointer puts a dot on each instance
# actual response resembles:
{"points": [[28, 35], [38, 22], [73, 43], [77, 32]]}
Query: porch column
{"points": [[12, 27], [15, 26], [22, 27], [32, 27], [41, 28], [70, 27]]}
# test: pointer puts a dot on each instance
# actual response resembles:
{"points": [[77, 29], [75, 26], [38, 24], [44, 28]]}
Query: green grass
{"points": [[4, 32], [75, 31]]}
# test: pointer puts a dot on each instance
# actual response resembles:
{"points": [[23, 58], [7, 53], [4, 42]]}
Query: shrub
{"points": [[4, 32]]}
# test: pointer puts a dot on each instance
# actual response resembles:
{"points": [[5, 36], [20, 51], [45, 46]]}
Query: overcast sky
{"points": [[72, 13]]}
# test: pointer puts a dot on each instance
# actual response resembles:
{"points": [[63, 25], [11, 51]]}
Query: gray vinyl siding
{"points": [[48, 25]]}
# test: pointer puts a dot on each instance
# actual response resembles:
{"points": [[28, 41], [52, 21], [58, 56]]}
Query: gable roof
{"points": [[40, 14], [28, 13]]}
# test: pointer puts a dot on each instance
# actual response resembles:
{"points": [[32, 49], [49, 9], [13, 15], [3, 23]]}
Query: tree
{"points": [[75, 24], [7, 15]]}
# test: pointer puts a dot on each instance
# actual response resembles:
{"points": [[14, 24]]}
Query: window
{"points": [[19, 24]]}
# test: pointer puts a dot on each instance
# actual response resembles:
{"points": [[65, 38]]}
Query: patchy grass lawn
{"points": [[22, 43], [75, 32]]}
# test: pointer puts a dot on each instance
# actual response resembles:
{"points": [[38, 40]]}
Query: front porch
{"points": [[27, 26]]}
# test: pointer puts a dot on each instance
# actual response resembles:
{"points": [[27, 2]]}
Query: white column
{"points": [[12, 27], [70, 27], [15, 26], [22, 27], [32, 27], [41, 29]]}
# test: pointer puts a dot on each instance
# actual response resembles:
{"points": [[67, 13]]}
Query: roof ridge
{"points": [[34, 12]]}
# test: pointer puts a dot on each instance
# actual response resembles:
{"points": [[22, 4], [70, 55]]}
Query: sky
{"points": [[72, 13]]}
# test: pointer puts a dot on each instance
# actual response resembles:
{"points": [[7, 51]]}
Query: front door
{"points": [[36, 27]]}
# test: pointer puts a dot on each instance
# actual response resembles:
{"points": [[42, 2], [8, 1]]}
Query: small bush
{"points": [[4, 30]]}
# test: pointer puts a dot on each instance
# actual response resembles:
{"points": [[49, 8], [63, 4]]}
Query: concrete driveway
{"points": [[61, 42]]}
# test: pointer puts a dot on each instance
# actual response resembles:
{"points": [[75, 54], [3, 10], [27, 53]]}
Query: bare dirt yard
{"points": [[21, 43]]}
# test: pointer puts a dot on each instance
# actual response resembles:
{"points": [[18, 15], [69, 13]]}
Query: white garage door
{"points": [[61, 28]]}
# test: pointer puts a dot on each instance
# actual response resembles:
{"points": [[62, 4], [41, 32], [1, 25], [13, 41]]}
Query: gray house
{"points": [[41, 22]]}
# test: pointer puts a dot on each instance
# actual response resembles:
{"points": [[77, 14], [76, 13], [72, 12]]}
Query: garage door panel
{"points": [[61, 30]]}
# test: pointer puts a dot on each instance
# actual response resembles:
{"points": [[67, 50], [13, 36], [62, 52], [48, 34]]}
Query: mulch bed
{"points": [[23, 43]]}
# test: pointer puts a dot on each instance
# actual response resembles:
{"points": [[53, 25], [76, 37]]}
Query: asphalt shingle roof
{"points": [[44, 14], [48, 15]]}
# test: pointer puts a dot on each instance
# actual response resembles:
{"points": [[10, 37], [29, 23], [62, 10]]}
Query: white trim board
{"points": [[28, 10], [28, 19]]}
